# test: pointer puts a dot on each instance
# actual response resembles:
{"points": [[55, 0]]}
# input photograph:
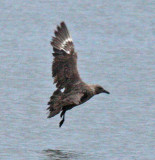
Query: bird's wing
{"points": [[64, 67]]}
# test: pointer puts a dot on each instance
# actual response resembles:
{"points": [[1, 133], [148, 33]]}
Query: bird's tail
{"points": [[53, 108], [62, 40], [53, 112], [54, 105]]}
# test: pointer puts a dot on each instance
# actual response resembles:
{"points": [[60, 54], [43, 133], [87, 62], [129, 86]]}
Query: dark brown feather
{"points": [[64, 67], [59, 100]]}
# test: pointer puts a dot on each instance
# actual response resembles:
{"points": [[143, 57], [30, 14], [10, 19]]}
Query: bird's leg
{"points": [[63, 119], [62, 113]]}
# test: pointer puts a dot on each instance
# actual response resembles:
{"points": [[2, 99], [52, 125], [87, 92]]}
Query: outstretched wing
{"points": [[64, 67]]}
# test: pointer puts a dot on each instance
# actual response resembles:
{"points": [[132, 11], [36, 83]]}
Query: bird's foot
{"points": [[63, 119], [61, 122]]}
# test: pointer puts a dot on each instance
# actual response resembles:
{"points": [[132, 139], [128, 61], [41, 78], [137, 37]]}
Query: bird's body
{"points": [[65, 73]]}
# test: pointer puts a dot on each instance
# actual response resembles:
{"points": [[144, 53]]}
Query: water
{"points": [[115, 43]]}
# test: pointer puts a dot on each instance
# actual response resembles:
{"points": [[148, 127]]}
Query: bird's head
{"points": [[99, 89]]}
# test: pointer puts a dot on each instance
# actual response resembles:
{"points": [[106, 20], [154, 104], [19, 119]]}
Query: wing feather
{"points": [[64, 67]]}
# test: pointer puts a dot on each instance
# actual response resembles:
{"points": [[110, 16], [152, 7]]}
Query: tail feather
{"points": [[53, 110], [52, 113], [54, 105]]}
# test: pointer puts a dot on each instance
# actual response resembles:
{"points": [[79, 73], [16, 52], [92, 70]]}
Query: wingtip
{"points": [[58, 28], [62, 40], [62, 23], [51, 42], [55, 32]]}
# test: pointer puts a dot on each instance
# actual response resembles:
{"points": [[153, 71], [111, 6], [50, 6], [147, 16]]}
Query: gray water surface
{"points": [[115, 44]]}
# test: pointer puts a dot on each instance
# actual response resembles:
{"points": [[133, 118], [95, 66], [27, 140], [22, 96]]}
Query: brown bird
{"points": [[66, 76]]}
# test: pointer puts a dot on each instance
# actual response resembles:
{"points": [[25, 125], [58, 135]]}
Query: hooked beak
{"points": [[104, 91]]}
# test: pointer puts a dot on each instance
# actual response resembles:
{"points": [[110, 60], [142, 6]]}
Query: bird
{"points": [[71, 90]]}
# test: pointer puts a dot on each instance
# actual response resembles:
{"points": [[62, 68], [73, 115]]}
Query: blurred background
{"points": [[115, 44]]}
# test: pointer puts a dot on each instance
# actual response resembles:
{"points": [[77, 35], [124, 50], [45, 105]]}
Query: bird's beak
{"points": [[104, 91]]}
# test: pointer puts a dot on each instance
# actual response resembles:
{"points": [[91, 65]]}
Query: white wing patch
{"points": [[64, 44], [62, 39]]}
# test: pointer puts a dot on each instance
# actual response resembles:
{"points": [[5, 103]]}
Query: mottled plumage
{"points": [[65, 73]]}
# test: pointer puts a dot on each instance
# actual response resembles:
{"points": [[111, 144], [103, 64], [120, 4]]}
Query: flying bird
{"points": [[66, 76]]}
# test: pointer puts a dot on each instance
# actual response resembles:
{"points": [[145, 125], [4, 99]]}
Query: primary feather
{"points": [[62, 40], [64, 67]]}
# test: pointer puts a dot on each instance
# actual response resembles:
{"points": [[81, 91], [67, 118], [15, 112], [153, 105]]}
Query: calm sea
{"points": [[115, 44]]}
